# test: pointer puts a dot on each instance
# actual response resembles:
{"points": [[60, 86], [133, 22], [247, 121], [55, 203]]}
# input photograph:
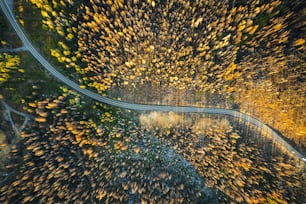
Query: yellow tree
{"points": [[8, 63]]}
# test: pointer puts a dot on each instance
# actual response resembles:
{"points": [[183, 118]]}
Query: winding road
{"points": [[141, 107]]}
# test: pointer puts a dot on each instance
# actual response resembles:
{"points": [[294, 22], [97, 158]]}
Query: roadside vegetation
{"points": [[252, 53], [157, 157], [230, 156], [246, 55]]}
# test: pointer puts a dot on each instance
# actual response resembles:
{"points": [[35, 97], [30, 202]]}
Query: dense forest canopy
{"points": [[250, 51], [245, 55]]}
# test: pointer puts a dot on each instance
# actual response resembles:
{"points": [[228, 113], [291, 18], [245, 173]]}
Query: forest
{"points": [[189, 50], [243, 55]]}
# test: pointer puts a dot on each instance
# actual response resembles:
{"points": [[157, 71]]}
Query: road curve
{"points": [[141, 107]]}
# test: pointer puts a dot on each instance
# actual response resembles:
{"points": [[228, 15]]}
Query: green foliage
{"points": [[262, 20], [31, 82], [8, 64]]}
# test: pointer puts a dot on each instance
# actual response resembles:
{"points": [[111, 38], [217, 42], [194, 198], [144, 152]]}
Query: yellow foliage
{"points": [[55, 53], [21, 22], [136, 150], [118, 145], [251, 30], [70, 36], [66, 52], [7, 64], [44, 14], [241, 28], [229, 72], [65, 47], [20, 9], [21, 70], [40, 119], [3, 42], [277, 27], [33, 105], [60, 32], [298, 42]]}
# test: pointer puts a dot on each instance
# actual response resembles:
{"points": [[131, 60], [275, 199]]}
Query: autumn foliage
{"points": [[248, 51]]}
